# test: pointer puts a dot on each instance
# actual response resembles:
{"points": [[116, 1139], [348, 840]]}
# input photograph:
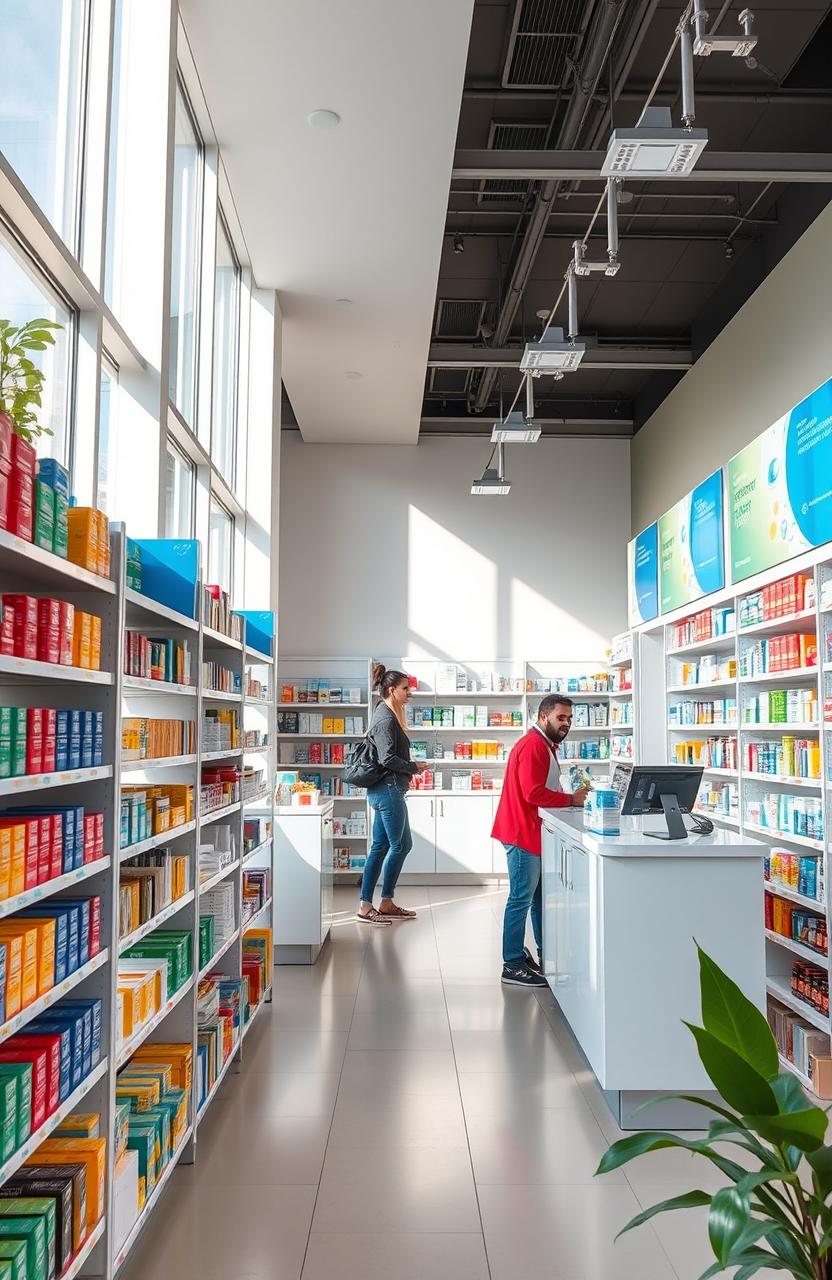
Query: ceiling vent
{"points": [[544, 38], [449, 382], [459, 317], [511, 135]]}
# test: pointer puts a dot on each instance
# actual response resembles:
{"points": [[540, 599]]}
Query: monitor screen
{"points": [[648, 783]]}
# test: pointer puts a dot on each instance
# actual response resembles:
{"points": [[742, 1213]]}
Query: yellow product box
{"points": [[161, 815], [5, 862], [138, 998], [28, 936], [142, 1071], [13, 948], [46, 928], [326, 726], [339, 725], [179, 871], [91, 1152], [103, 532], [81, 639], [140, 1093], [81, 1124], [179, 1056], [17, 859], [82, 537], [177, 817], [95, 642]]}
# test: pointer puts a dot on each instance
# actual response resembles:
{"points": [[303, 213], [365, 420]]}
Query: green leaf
{"points": [[739, 1084], [757, 1259], [820, 1161], [727, 1221], [789, 1093], [690, 1200], [802, 1129], [29, 344], [637, 1144], [730, 1017]]}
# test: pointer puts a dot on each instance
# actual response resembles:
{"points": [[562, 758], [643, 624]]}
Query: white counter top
{"points": [[299, 810], [634, 842]]}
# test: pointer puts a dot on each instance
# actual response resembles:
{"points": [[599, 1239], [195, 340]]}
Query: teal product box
{"points": [[604, 812], [33, 1232], [25, 1208], [8, 1117], [36, 1183], [5, 742], [21, 1073], [53, 474], [18, 727]]}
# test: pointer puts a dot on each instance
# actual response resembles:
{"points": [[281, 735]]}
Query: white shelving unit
{"points": [[738, 788], [26, 568]]}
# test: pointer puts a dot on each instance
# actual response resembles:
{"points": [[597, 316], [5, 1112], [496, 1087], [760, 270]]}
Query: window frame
{"points": [[215, 502], [176, 451], [231, 478], [181, 89]]}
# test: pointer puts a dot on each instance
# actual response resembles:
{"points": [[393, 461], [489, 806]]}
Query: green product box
{"points": [[16, 1209], [8, 1116], [5, 742], [206, 939], [60, 533], [134, 565], [13, 1254], [173, 945], [18, 763], [21, 1074], [7, 1268], [160, 1116], [141, 1137], [44, 522], [32, 1230], [122, 1118], [58, 1191]]}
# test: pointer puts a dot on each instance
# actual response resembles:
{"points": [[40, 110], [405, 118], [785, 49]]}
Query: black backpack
{"points": [[361, 767]]}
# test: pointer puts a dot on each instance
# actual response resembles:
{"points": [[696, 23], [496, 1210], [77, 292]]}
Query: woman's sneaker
{"points": [[530, 961], [522, 976]]}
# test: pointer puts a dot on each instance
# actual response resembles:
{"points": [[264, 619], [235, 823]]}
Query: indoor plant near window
{"points": [[21, 381], [774, 1211]]}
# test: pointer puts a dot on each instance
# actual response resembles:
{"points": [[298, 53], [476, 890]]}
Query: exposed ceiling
{"points": [[352, 212], [691, 252]]}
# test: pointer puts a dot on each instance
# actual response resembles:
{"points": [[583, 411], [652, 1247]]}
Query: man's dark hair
{"points": [[551, 701]]}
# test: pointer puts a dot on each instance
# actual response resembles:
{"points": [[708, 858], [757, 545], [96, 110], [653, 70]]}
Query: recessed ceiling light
{"points": [[324, 119], [353, 375]]}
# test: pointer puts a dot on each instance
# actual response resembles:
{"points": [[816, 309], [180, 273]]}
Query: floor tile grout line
{"points": [[365, 948], [461, 1102]]}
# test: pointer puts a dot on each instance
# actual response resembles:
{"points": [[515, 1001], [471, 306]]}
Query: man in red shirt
{"points": [[532, 781]]}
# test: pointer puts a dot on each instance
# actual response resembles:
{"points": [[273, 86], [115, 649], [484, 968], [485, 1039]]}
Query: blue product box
{"points": [[92, 1009], [73, 917], [72, 720], [73, 830], [53, 474], [87, 739], [57, 1018], [82, 907], [98, 739]]}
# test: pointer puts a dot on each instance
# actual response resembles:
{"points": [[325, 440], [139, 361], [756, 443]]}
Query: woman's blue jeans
{"points": [[392, 840]]}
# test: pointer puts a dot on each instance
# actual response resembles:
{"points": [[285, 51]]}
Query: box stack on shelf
{"points": [[622, 685], [101, 824]]}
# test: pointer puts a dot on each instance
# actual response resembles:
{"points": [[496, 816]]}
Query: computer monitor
{"points": [[666, 788]]}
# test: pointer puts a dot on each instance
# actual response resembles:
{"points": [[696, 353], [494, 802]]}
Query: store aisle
{"points": [[402, 1116]]}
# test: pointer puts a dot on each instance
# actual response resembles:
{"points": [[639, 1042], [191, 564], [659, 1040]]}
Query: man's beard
{"points": [[555, 735]]}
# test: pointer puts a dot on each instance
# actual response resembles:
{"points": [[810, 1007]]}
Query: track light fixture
{"points": [[516, 429], [459, 244], [552, 354], [492, 483]]}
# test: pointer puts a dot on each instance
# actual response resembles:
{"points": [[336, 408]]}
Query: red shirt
{"points": [[525, 791]]}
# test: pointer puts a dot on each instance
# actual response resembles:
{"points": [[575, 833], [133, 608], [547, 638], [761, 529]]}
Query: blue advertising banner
{"points": [[259, 630], [170, 569], [643, 576], [692, 561]]}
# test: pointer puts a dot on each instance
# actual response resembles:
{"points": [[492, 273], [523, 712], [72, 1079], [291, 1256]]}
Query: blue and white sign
{"points": [[643, 576], [692, 560]]}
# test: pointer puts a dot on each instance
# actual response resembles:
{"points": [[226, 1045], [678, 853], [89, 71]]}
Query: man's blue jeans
{"points": [[525, 894], [392, 840]]}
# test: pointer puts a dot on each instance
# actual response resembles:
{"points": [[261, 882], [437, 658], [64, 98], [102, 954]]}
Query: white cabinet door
{"points": [[422, 811], [327, 877], [463, 834], [499, 864]]}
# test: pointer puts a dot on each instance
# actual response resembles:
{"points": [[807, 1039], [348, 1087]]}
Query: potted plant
{"points": [[21, 381], [774, 1211]]}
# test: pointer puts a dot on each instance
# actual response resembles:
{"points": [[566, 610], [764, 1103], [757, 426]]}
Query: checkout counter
{"points": [[620, 915]]}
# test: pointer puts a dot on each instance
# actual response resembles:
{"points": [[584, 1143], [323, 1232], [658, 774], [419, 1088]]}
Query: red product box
{"points": [[49, 630], [25, 624], [4, 500], [45, 833], [89, 837], [99, 834], [56, 846], [49, 739], [5, 443], [39, 1059], [21, 488], [66, 628], [95, 926], [34, 740], [7, 630], [23, 455], [20, 520], [32, 826], [52, 1045]]}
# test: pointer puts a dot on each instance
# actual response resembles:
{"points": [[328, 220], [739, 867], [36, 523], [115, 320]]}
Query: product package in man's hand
{"points": [[575, 778]]}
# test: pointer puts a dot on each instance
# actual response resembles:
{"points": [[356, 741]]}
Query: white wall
{"points": [[771, 354], [383, 550]]}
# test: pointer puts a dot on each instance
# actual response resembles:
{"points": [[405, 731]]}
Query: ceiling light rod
{"points": [[686, 51], [583, 266], [572, 293], [529, 396], [706, 43]]}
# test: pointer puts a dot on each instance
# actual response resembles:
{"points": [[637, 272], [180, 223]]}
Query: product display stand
{"points": [[26, 569], [719, 699]]}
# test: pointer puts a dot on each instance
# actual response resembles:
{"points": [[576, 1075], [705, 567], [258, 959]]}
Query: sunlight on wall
{"points": [[541, 628], [451, 592]]}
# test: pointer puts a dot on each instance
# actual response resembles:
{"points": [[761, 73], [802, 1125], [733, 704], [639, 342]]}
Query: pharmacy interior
{"points": [[521, 418]]}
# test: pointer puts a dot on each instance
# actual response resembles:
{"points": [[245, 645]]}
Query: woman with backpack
{"points": [[392, 840]]}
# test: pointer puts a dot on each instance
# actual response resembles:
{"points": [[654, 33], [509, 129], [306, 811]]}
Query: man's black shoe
{"points": [[522, 976], [530, 961]]}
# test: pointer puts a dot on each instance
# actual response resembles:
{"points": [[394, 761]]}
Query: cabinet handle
{"points": [[568, 868], [431, 808], [441, 808]]}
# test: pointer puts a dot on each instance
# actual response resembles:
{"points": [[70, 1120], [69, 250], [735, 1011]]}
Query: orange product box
{"points": [[95, 642], [82, 537], [5, 862], [46, 929], [91, 1152], [82, 640], [28, 935], [103, 531], [13, 948], [25, 852]]}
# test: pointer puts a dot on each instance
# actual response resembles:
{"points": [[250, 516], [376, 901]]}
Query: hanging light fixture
{"points": [[492, 482]]}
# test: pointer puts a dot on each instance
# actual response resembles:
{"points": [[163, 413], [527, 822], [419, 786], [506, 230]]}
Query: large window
{"points": [[105, 486], [180, 485], [112, 278], [25, 296], [41, 96], [220, 543], [184, 283], [226, 354]]}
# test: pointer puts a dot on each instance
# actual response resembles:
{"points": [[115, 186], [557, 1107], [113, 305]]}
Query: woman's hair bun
{"points": [[379, 672]]}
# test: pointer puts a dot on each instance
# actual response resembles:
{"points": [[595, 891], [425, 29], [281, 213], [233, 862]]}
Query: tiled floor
{"points": [[401, 1116]]}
